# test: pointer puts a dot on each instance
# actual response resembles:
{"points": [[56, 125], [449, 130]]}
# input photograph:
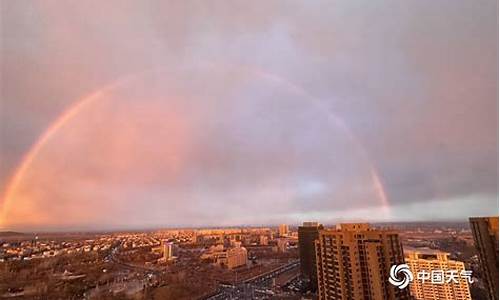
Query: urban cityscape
{"points": [[239, 150], [309, 261]]}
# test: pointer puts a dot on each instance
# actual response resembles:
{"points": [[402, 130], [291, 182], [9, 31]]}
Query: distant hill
{"points": [[10, 233]]}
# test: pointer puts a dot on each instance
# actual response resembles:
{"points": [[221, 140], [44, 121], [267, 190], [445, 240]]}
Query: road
{"points": [[257, 287]]}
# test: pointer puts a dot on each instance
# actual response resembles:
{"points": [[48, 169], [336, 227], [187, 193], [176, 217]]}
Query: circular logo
{"points": [[398, 271]]}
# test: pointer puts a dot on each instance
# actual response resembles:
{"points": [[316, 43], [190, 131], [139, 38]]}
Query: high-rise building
{"points": [[485, 232], [308, 234], [168, 250], [283, 230], [353, 262], [426, 261], [194, 237]]}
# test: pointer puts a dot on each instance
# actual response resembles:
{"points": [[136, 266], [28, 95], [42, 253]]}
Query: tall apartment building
{"points": [[308, 234], [168, 250], [353, 262], [425, 261], [485, 232], [283, 230]]}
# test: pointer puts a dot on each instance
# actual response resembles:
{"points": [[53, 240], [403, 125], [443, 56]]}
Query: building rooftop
{"points": [[310, 224], [352, 226], [422, 250]]}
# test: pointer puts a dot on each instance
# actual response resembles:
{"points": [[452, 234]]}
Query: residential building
{"points": [[353, 262], [308, 234], [168, 250], [283, 230], [233, 257], [449, 283], [485, 232]]}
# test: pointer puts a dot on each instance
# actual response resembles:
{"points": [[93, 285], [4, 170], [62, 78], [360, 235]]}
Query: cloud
{"points": [[416, 84]]}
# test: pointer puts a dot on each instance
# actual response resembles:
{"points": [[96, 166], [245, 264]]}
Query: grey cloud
{"points": [[415, 83]]}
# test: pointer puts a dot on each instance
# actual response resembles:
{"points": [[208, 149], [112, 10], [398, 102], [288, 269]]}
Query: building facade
{"points": [[283, 230], [485, 232], [353, 262], [168, 250], [233, 257], [308, 234], [426, 261]]}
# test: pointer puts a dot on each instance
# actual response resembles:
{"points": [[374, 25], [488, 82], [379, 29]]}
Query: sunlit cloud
{"points": [[230, 113]]}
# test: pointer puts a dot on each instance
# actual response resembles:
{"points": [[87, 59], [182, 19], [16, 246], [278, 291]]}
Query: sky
{"points": [[128, 114]]}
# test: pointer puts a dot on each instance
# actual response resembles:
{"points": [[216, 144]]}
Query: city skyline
{"points": [[157, 115], [125, 228], [224, 263]]}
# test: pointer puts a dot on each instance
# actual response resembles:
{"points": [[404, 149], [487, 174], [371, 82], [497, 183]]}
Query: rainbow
{"points": [[86, 101], [376, 179], [66, 116]]}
